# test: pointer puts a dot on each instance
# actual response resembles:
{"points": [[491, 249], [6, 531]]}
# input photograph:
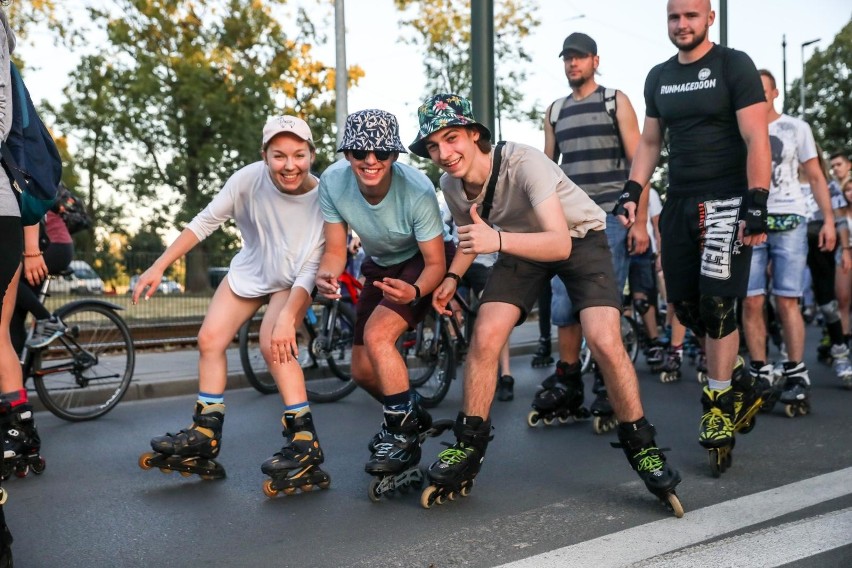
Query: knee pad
{"points": [[719, 315], [690, 316], [830, 312], [642, 305]]}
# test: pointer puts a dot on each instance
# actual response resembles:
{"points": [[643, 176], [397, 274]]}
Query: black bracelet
{"points": [[454, 276], [500, 237], [416, 293]]}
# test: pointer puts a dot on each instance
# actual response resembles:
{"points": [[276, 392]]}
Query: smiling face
{"points": [[373, 175], [454, 149], [689, 22], [289, 160]]}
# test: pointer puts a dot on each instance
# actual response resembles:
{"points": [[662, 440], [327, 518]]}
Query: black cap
{"points": [[581, 43]]}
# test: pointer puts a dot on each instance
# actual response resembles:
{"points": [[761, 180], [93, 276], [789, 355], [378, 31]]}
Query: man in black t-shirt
{"points": [[710, 102]]}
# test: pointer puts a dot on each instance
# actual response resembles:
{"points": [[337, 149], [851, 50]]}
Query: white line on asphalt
{"points": [[772, 546], [653, 539]]}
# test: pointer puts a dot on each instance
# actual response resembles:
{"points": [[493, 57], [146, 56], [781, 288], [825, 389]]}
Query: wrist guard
{"points": [[755, 214], [631, 193]]}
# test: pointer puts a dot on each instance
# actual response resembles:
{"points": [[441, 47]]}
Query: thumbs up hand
{"points": [[478, 237]]}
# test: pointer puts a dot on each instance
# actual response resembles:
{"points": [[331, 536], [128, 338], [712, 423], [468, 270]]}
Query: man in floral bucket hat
{"points": [[394, 210], [548, 227]]}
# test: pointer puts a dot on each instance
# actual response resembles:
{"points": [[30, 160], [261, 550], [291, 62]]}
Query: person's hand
{"points": [[628, 201], [478, 237], [396, 290], [827, 237], [149, 279], [327, 285], [35, 269], [284, 347], [638, 239], [442, 295]]}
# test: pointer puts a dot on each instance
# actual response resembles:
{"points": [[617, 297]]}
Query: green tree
{"points": [[828, 93], [174, 100]]}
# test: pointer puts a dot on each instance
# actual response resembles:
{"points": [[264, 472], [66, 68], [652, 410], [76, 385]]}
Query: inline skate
{"points": [[795, 394], [560, 397], [670, 368], [749, 388], [604, 418], [296, 465], [701, 367], [396, 457], [649, 462], [191, 451], [655, 355], [21, 442], [542, 358], [457, 466], [505, 388], [824, 348], [842, 366], [716, 432]]}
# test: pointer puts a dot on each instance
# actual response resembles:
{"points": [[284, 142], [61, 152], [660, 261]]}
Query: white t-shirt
{"points": [[282, 235], [655, 207], [792, 143]]}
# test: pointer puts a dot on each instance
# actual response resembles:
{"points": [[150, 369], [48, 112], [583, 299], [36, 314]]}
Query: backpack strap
{"points": [[555, 108], [611, 106], [492, 181]]}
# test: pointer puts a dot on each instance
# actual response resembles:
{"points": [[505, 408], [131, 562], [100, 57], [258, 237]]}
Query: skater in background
{"points": [[275, 204], [547, 226], [715, 210], [841, 171]]}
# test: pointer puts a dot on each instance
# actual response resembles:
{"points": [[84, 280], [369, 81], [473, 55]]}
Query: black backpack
{"points": [[72, 210], [29, 155]]}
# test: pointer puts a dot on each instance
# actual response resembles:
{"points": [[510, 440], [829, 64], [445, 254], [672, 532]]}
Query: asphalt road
{"points": [[541, 490]]}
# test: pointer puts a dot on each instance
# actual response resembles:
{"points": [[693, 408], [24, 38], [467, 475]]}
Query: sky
{"points": [[631, 37]]}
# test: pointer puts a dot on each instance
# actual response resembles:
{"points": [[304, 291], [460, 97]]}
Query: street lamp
{"points": [[802, 82]]}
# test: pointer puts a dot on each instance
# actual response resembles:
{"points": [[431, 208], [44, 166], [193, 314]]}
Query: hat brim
{"points": [[418, 147], [579, 50]]}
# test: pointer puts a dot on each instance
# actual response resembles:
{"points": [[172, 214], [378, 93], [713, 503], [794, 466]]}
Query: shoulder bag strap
{"points": [[492, 181]]}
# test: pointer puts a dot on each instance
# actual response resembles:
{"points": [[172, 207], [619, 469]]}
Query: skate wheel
{"points": [[290, 491], [268, 489], [790, 410], [166, 470], [145, 460], [713, 460], [307, 487], [324, 484], [451, 496], [465, 490], [533, 418], [729, 460], [373, 490], [564, 419], [427, 498], [3, 496], [702, 377], [548, 421], [804, 409], [185, 474], [38, 468], [748, 426], [674, 504], [22, 472]]}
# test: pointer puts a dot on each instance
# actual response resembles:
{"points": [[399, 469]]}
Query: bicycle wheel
{"points": [[253, 363], [630, 337], [430, 358], [85, 373], [332, 380]]}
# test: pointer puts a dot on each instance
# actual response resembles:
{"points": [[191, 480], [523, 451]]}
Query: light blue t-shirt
{"points": [[391, 229]]}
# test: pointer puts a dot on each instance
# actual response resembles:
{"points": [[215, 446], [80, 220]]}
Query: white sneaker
{"points": [[46, 331]]}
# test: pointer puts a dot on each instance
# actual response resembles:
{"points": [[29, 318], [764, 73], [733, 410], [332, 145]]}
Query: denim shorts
{"points": [[786, 252]]}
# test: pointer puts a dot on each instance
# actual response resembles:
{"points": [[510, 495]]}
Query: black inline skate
{"points": [[542, 358], [505, 388], [560, 397], [296, 465], [795, 395], [655, 355], [701, 367], [749, 390], [396, 457], [649, 462], [21, 442], [716, 431], [457, 466], [670, 368], [191, 451], [604, 418]]}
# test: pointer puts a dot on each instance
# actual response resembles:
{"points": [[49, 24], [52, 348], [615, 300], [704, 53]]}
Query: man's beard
{"points": [[577, 83], [697, 40]]}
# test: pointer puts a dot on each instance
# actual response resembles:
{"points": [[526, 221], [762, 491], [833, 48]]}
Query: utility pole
{"points": [[784, 68], [341, 74], [723, 22], [802, 81], [482, 60]]}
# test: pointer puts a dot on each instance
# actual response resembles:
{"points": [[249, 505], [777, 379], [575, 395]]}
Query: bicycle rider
{"points": [[393, 209], [274, 203]]}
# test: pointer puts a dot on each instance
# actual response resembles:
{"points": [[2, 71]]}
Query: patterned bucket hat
{"points": [[371, 129], [440, 111]]}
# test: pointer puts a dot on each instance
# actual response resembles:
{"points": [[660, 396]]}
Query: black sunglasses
{"points": [[381, 155]]}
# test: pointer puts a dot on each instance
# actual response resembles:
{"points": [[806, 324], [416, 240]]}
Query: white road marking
{"points": [[660, 537]]}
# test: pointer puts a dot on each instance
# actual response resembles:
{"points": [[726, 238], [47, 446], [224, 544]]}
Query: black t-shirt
{"points": [[697, 102]]}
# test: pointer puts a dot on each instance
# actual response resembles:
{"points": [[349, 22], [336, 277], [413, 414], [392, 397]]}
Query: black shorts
{"points": [[642, 276], [587, 275], [701, 253]]}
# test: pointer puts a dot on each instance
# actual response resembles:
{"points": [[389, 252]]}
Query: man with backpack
{"points": [[595, 132]]}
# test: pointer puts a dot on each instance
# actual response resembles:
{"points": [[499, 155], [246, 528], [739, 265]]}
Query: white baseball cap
{"points": [[292, 124]]}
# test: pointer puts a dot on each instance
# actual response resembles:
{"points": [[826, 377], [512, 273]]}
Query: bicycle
{"points": [[325, 337], [84, 373]]}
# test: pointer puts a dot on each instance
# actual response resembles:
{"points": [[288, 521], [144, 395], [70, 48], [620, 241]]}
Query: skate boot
{"points": [[655, 355], [604, 417], [716, 432], [824, 348], [649, 462], [296, 465], [542, 358], [795, 395], [192, 449], [21, 443], [763, 377], [841, 364], [749, 389], [424, 423], [560, 397], [505, 388], [701, 367], [670, 369], [457, 466]]}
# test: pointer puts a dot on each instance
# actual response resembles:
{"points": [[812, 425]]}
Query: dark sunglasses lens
{"points": [[381, 155]]}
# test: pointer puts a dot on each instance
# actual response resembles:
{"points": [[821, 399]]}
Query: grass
{"points": [[159, 307]]}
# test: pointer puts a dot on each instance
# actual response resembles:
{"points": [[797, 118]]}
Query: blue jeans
{"points": [[561, 308], [788, 252]]}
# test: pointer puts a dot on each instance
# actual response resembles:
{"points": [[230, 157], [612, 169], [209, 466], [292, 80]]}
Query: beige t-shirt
{"points": [[527, 177]]}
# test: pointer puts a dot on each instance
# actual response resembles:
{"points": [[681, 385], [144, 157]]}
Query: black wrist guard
{"points": [[631, 193], [755, 212]]}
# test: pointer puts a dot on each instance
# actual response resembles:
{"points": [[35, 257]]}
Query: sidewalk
{"points": [[173, 373]]}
